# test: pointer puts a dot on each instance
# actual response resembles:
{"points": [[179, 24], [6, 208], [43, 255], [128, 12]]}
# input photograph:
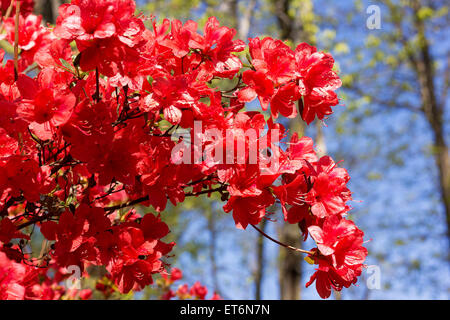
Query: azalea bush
{"points": [[108, 111]]}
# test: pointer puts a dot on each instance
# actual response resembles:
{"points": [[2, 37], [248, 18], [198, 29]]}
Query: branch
{"points": [[386, 103], [145, 198], [33, 221], [16, 41], [7, 14], [446, 83], [97, 86], [280, 243], [127, 204]]}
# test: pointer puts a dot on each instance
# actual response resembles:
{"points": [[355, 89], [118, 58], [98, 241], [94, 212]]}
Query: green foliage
{"points": [[170, 9]]}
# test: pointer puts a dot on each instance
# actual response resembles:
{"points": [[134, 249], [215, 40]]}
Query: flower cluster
{"points": [[19, 281], [280, 77], [7, 6], [197, 291], [88, 130], [131, 250]]}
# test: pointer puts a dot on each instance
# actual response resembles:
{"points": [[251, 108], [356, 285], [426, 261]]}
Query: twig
{"points": [[33, 221], [280, 243], [7, 14], [127, 204], [16, 41], [97, 86], [145, 198]]}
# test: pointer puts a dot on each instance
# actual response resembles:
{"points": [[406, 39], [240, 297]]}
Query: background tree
{"points": [[48, 9], [423, 77], [394, 136]]}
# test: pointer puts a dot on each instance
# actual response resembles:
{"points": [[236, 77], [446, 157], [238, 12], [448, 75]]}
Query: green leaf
{"points": [[65, 64]]}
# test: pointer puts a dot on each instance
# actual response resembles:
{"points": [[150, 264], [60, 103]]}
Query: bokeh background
{"points": [[391, 130]]}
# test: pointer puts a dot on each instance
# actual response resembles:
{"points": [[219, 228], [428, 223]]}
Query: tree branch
{"points": [[280, 243]]}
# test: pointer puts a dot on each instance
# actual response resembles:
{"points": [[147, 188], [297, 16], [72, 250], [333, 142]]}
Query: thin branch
{"points": [[33, 221], [280, 243], [16, 42], [446, 83], [7, 14], [127, 204], [386, 103], [145, 198], [97, 86]]}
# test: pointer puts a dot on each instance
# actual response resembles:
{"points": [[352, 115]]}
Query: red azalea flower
{"points": [[301, 152], [249, 210], [318, 82], [182, 291], [137, 260], [8, 231], [258, 86], [329, 192], [10, 275], [168, 295], [274, 58], [34, 37], [283, 101], [17, 280], [217, 47], [341, 256], [198, 291], [180, 37], [85, 294], [30, 29], [292, 193], [50, 56], [44, 108], [23, 175], [132, 252], [216, 296], [175, 274], [173, 95], [68, 233], [8, 145], [26, 6], [103, 37], [87, 20]]}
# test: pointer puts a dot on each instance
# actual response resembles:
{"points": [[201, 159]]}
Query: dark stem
{"points": [[16, 41], [97, 86], [280, 243]]}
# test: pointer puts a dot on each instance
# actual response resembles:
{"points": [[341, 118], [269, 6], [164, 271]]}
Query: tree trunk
{"points": [[259, 271], [213, 250], [290, 267], [245, 21], [434, 113], [321, 145], [48, 9], [285, 21]]}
